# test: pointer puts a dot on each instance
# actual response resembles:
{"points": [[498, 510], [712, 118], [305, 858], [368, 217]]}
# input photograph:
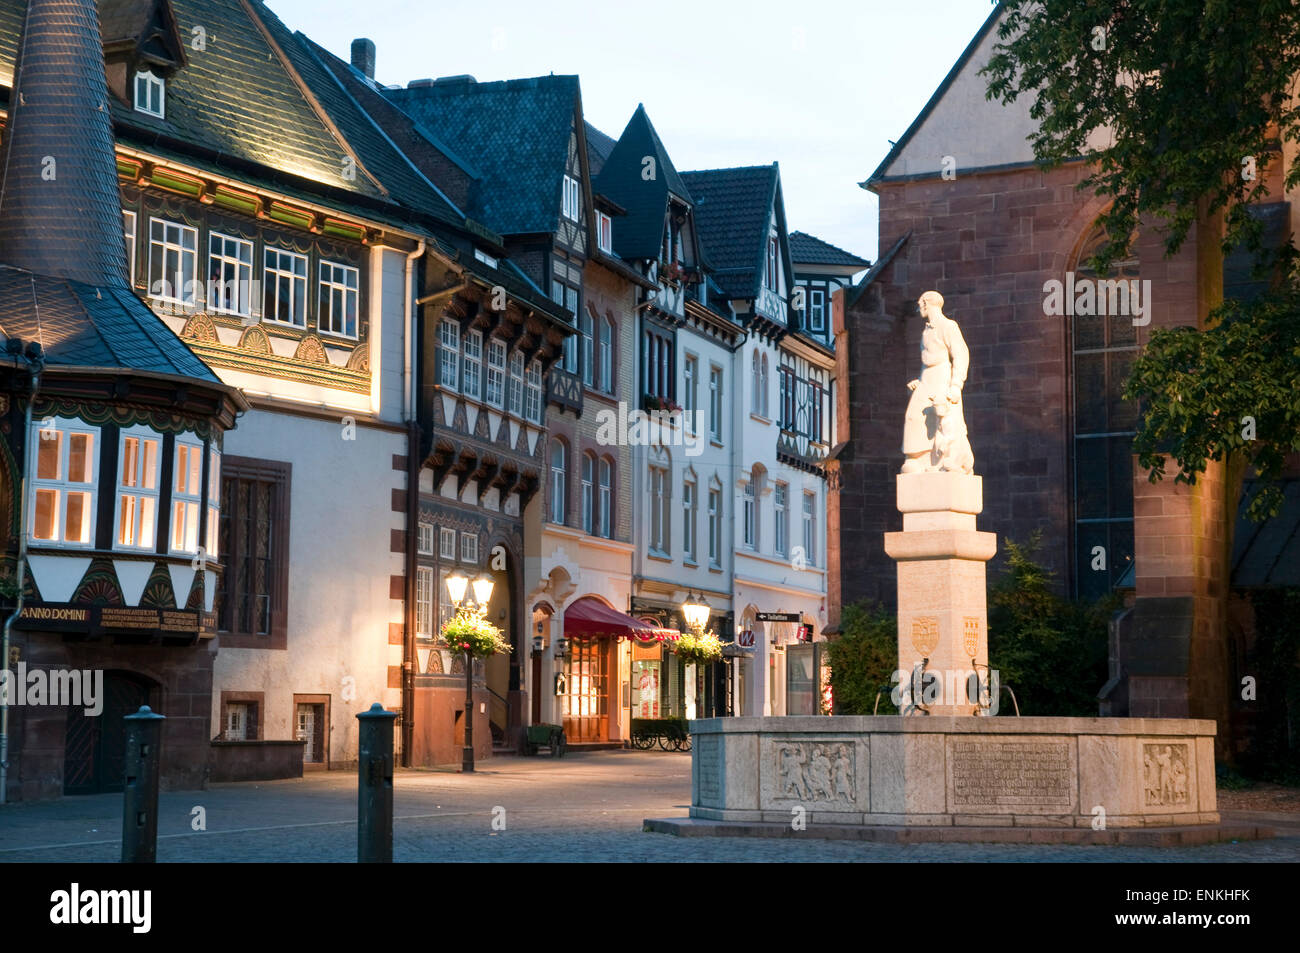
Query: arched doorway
{"points": [[94, 748]]}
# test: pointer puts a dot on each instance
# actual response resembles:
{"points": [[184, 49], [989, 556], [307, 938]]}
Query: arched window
{"points": [[590, 521], [605, 502], [585, 324], [607, 355], [756, 405], [1103, 346], [559, 479]]}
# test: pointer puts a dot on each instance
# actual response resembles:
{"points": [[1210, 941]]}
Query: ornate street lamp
{"points": [[695, 611], [457, 583]]}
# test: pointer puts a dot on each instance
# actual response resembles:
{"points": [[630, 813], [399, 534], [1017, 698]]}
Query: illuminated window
{"points": [[187, 487], [63, 484], [214, 501], [139, 457], [604, 232]]}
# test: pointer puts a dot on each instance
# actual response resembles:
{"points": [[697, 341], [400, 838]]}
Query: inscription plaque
{"points": [[708, 761], [1010, 774]]}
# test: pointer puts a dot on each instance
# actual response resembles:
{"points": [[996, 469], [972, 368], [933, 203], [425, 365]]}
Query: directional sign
{"points": [[779, 617]]}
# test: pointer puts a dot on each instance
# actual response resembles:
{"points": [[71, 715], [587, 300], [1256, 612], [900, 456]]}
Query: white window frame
{"points": [[489, 260], [587, 359], [660, 510], [130, 222], [151, 84], [572, 200], [750, 523], [472, 365], [449, 354], [183, 242], [810, 528], [715, 403], [515, 393], [689, 504], [66, 427], [763, 388], [533, 392], [715, 526], [236, 721], [139, 496], [424, 584], [424, 539], [495, 391], [186, 501], [214, 501], [446, 543], [604, 233], [605, 501], [274, 274], [559, 481], [690, 381], [235, 253], [817, 310], [781, 507], [606, 344], [339, 286], [469, 548], [588, 476]]}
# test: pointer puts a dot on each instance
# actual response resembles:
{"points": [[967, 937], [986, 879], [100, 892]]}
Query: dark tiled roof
{"points": [[807, 249], [83, 325], [237, 98], [515, 133], [377, 154], [733, 208], [640, 233], [60, 208], [599, 146], [1268, 553]]}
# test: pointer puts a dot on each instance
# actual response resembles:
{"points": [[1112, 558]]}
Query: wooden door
{"points": [[586, 691]]}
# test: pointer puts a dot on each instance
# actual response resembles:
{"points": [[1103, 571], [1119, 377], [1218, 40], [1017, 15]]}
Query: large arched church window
{"points": [[1103, 345]]}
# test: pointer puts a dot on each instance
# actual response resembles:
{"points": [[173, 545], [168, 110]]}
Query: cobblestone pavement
{"points": [[585, 807]]}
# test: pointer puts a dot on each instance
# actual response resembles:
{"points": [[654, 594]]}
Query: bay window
{"points": [[65, 468], [186, 490], [139, 456]]}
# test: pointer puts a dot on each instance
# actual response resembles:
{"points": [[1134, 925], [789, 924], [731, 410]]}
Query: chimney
{"points": [[363, 56], [60, 206]]}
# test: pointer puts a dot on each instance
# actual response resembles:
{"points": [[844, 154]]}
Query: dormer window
{"points": [[605, 233], [150, 93], [572, 205]]}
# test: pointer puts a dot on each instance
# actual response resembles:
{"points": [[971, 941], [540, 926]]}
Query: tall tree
{"points": [[1180, 107]]}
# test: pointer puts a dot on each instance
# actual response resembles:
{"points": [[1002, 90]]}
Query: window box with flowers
{"points": [[653, 402]]}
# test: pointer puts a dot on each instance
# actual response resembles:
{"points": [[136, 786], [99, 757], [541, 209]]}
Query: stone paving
{"points": [[585, 807]]}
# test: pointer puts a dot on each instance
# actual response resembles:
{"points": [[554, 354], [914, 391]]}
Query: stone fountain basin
{"points": [[955, 771]]}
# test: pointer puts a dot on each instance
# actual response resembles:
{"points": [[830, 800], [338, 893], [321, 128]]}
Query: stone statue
{"points": [[934, 429]]}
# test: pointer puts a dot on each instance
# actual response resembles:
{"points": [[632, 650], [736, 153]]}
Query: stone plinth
{"points": [[955, 771], [942, 598]]}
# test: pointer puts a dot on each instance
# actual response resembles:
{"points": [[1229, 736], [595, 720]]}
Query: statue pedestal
{"points": [[942, 597]]}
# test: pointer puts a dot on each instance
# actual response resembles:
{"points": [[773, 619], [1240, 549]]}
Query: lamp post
{"points": [[456, 584], [696, 613]]}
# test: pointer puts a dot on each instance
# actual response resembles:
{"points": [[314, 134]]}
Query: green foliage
{"points": [[469, 630], [1190, 98], [1229, 392], [1185, 92], [863, 660], [697, 647], [1050, 650]]}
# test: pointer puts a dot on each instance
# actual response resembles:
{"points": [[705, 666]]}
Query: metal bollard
{"points": [[140, 796], [375, 786]]}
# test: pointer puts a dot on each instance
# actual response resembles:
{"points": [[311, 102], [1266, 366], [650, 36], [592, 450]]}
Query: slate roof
{"points": [[639, 234], [733, 208], [237, 102], [599, 146], [60, 208], [63, 280], [807, 249], [84, 325], [515, 133]]}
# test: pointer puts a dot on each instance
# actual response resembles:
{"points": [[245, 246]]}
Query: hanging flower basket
{"points": [[697, 648], [470, 631]]}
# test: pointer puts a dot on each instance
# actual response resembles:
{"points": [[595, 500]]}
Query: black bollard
{"points": [[140, 796], [375, 786]]}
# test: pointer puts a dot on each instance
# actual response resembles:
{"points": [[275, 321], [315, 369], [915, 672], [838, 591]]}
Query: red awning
{"points": [[589, 618]]}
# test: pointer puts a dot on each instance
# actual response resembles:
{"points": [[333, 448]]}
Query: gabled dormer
{"points": [[143, 49], [658, 233], [741, 218]]}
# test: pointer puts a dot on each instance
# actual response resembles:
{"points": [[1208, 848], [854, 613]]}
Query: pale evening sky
{"points": [[818, 85]]}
